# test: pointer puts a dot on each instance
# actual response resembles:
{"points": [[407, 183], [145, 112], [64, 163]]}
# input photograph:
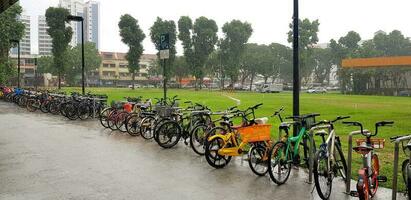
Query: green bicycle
{"points": [[286, 151]]}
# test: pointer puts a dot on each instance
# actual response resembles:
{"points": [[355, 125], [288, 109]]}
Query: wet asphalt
{"points": [[50, 157]]}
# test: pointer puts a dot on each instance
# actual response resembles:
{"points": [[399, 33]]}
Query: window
{"points": [[105, 65]]}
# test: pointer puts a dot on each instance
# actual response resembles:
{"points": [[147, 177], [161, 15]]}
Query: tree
{"points": [[198, 41], [132, 35], [180, 69], [10, 29], [232, 46], [91, 57], [323, 63], [45, 65], [60, 37], [307, 38]]}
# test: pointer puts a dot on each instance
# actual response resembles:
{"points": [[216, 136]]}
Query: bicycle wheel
{"points": [[111, 120], [157, 124], [408, 181], [375, 167], [258, 159], [169, 133], [147, 127], [133, 125], [83, 111], [340, 162], [44, 106], [31, 105], [363, 193], [214, 131], [279, 163], [197, 138], [120, 121], [211, 153], [54, 108], [104, 116], [70, 111], [322, 174]]}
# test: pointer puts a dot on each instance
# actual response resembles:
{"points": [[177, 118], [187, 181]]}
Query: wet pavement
{"points": [[50, 157]]}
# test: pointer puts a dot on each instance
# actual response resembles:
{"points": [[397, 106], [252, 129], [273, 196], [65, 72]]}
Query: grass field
{"points": [[366, 109]]}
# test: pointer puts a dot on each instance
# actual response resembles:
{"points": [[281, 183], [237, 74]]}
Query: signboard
{"points": [[164, 41], [165, 54]]}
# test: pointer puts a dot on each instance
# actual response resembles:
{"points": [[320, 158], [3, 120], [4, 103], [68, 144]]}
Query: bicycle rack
{"points": [[395, 173], [349, 160], [312, 147]]}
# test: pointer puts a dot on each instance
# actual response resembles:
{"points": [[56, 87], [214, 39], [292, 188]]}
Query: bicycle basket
{"points": [[164, 111], [309, 122], [255, 133], [376, 143]]}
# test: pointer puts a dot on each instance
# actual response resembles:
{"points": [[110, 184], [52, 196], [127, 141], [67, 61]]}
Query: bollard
{"points": [[396, 159], [349, 160]]}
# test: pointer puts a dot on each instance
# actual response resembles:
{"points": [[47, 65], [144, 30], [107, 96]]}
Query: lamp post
{"points": [[80, 19], [296, 69], [35, 74], [18, 61]]}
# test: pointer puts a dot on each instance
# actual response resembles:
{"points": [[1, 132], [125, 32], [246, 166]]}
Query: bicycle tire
{"points": [[133, 125], [362, 190], [212, 155], [104, 116], [340, 160], [147, 127], [409, 181], [166, 132], [257, 156], [30, 105], [279, 147], [197, 139], [322, 155]]}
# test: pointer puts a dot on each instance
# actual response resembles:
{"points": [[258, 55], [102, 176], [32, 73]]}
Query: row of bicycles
{"points": [[73, 106], [213, 135]]}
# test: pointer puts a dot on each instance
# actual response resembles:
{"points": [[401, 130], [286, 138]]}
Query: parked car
{"points": [[405, 93], [318, 90], [135, 86]]}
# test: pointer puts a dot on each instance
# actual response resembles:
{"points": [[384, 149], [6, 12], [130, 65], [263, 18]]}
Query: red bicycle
{"points": [[368, 175]]}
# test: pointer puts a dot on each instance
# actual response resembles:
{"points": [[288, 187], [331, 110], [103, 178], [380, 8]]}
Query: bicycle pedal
{"points": [[354, 193], [382, 179]]}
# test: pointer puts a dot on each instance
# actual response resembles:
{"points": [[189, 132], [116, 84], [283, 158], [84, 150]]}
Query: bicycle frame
{"points": [[297, 139]]}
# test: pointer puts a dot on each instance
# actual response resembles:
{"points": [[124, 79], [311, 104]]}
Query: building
{"points": [[114, 70], [44, 39], [92, 22], [25, 42], [90, 11]]}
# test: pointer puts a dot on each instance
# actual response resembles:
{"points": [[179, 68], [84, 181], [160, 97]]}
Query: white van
{"points": [[271, 88]]}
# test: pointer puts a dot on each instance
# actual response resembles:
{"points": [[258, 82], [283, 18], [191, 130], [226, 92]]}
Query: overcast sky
{"points": [[269, 18]]}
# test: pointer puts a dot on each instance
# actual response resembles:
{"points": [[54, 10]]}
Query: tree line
{"points": [[228, 58]]}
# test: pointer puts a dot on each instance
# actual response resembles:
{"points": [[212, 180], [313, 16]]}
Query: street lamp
{"points": [[296, 69], [80, 19], [18, 61]]}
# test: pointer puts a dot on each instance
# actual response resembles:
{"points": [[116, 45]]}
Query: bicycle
{"points": [[233, 141], [405, 167], [286, 152], [329, 159], [368, 175]]}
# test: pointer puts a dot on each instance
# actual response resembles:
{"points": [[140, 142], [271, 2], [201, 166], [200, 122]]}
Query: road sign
{"points": [[164, 41], [165, 54]]}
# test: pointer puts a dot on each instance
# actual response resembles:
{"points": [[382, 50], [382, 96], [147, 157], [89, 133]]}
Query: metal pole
{"points": [[296, 72], [35, 73], [18, 64], [82, 57], [394, 177], [164, 80]]}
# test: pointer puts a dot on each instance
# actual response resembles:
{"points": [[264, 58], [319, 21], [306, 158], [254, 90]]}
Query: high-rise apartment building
{"points": [[90, 11], [92, 22], [25, 42], [44, 40]]}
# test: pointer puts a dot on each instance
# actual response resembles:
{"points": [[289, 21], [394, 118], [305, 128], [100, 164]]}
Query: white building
{"points": [[44, 39], [92, 22], [25, 42], [90, 11]]}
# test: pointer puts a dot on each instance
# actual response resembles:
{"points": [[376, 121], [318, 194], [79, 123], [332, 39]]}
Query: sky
{"points": [[269, 18]]}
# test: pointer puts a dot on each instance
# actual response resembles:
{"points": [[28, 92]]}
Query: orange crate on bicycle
{"points": [[376, 143], [255, 133]]}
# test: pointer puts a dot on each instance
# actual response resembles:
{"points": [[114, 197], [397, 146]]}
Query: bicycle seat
{"points": [[363, 149], [321, 133], [262, 120]]}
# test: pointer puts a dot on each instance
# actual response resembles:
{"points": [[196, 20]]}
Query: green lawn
{"points": [[366, 109]]}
